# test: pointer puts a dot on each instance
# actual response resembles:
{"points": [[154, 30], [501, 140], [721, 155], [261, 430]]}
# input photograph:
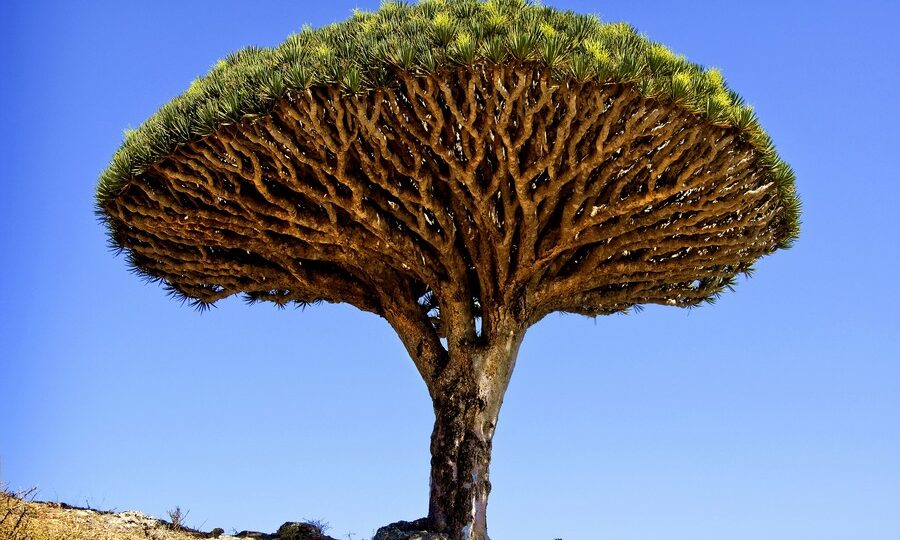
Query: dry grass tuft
{"points": [[15, 513]]}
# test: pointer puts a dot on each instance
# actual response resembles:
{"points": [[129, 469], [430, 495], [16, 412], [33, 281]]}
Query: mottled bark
{"points": [[467, 402], [460, 457]]}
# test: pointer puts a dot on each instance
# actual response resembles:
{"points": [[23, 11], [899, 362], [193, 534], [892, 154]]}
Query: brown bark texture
{"points": [[463, 206], [467, 398]]}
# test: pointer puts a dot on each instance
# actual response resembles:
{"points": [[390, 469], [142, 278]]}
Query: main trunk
{"points": [[460, 455], [466, 407]]}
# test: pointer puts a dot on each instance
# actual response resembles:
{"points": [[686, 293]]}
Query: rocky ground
{"points": [[24, 519]]}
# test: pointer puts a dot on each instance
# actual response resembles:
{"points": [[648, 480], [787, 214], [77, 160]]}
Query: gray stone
{"points": [[408, 530], [255, 534], [293, 530]]}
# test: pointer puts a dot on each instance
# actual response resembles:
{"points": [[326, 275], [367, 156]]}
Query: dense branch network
{"points": [[444, 198]]}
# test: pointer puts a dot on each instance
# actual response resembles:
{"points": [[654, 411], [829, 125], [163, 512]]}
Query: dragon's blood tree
{"points": [[462, 169]]}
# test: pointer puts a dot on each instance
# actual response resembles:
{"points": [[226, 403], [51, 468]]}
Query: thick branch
{"points": [[489, 186]]}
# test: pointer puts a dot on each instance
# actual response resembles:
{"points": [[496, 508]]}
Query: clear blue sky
{"points": [[774, 414]]}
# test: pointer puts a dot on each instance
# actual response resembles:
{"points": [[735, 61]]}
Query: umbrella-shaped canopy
{"points": [[461, 149], [462, 169]]}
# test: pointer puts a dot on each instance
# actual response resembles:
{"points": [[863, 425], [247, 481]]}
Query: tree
{"points": [[461, 169]]}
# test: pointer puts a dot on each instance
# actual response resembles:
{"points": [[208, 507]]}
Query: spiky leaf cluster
{"points": [[363, 52]]}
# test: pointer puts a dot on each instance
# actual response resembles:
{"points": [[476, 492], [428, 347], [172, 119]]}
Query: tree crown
{"points": [[449, 162], [362, 53]]}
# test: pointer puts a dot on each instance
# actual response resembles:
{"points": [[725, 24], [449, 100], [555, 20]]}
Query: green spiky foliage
{"points": [[360, 54]]}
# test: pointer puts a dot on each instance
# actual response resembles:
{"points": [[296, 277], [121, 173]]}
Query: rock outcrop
{"points": [[408, 530]]}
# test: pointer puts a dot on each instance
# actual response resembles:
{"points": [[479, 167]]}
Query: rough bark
{"points": [[467, 404], [460, 457]]}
